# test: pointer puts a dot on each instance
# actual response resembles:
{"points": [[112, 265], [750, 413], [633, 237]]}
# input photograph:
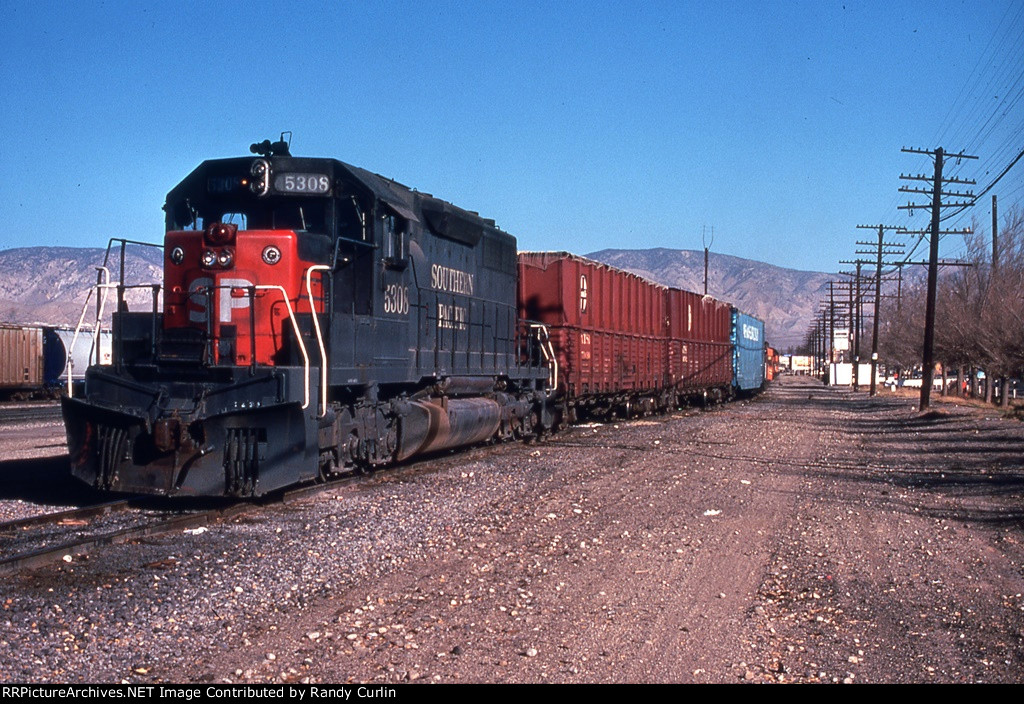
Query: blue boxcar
{"points": [[748, 347]]}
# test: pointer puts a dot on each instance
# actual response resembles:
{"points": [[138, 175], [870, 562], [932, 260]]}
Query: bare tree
{"points": [[1004, 319], [982, 307], [980, 312], [901, 327]]}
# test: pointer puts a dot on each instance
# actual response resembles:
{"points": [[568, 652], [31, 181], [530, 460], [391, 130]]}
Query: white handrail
{"points": [[69, 362], [319, 335], [298, 337]]}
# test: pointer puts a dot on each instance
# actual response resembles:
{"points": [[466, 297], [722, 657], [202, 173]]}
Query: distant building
{"points": [[800, 364]]}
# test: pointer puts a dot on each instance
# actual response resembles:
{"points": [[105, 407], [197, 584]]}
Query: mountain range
{"points": [[50, 284], [785, 299]]}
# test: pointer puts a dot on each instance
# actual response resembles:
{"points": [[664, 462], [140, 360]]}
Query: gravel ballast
{"points": [[810, 535]]}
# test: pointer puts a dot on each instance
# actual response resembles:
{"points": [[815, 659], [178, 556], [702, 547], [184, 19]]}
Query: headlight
{"points": [[218, 234], [260, 177], [177, 255], [224, 258], [271, 255], [209, 258]]}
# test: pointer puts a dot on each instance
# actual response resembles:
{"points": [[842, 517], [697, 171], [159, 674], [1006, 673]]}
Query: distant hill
{"points": [[49, 284], [786, 299]]}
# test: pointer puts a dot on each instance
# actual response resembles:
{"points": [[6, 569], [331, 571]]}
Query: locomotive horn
{"points": [[261, 148], [268, 148]]}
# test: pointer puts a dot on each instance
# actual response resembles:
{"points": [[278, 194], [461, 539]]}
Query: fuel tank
{"points": [[434, 424]]}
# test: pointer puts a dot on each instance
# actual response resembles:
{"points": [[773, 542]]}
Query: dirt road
{"points": [[809, 535]]}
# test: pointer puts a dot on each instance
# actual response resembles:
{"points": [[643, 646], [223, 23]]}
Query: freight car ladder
{"points": [[540, 332]]}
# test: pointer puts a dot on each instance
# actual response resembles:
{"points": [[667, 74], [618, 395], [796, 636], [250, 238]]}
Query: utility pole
{"points": [[859, 318], [928, 362], [815, 352], [831, 330], [707, 246], [995, 237], [825, 346], [856, 313], [850, 334], [818, 342], [883, 248]]}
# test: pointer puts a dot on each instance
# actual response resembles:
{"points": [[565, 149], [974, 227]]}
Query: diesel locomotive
{"points": [[314, 318]]}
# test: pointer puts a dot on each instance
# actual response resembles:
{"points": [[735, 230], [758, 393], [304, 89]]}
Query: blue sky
{"points": [[575, 125]]}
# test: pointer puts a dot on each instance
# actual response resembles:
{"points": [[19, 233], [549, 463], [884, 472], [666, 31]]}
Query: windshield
{"points": [[305, 214]]}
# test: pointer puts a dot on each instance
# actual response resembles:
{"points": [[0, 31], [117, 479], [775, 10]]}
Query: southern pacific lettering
{"points": [[443, 278], [451, 317]]}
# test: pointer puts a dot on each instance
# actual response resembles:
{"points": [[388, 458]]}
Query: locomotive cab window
{"points": [[301, 216], [240, 219], [306, 215], [352, 219], [395, 240], [181, 216]]}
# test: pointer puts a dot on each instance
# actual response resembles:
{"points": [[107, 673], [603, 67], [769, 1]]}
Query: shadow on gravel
{"points": [[44, 480], [47, 481], [971, 468]]}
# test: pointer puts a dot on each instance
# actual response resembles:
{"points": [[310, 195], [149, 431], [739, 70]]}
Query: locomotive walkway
{"points": [[809, 535]]}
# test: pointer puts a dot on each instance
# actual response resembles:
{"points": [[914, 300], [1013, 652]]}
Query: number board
{"points": [[219, 185], [302, 184]]}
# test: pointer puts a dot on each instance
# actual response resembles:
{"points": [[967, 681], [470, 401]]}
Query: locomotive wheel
{"points": [[328, 467], [350, 449], [529, 423]]}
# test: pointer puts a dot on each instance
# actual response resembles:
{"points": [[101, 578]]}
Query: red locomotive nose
{"points": [[217, 234]]}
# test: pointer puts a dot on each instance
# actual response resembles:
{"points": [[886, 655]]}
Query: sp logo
{"points": [[201, 293]]}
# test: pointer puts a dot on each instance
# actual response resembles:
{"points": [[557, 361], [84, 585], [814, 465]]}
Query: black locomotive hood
{"points": [[442, 217]]}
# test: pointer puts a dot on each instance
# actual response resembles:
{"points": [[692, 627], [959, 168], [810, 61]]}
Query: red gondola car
{"points": [[771, 364], [700, 353], [607, 328]]}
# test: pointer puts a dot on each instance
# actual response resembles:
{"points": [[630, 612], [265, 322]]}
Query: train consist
{"points": [[319, 319], [41, 360], [625, 345]]}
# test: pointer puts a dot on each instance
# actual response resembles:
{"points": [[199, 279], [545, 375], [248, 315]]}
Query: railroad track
{"points": [[36, 540], [46, 538], [13, 413]]}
